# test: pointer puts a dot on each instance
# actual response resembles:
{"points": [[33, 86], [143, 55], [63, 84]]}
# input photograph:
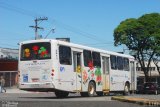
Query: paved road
{"points": [[75, 104], [49, 100], [48, 97]]}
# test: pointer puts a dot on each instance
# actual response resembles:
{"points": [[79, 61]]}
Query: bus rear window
{"points": [[36, 51]]}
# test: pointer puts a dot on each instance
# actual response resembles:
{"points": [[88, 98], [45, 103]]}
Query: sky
{"points": [[86, 22]]}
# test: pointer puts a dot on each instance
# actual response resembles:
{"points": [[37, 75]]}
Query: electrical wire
{"points": [[78, 31], [8, 45], [64, 26], [18, 10]]}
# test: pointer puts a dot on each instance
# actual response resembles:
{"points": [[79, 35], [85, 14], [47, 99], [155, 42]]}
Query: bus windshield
{"points": [[36, 51]]}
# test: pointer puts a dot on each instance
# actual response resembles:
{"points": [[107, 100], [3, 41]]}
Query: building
{"points": [[153, 73], [9, 66]]}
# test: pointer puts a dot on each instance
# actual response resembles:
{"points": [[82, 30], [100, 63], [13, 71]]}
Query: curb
{"points": [[140, 101]]}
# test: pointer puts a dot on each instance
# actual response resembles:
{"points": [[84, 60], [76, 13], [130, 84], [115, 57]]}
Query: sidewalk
{"points": [[141, 101]]}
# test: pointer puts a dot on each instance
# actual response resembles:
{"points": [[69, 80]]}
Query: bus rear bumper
{"points": [[41, 87]]}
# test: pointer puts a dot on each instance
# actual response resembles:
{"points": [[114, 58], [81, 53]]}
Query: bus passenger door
{"points": [[105, 65], [77, 70]]}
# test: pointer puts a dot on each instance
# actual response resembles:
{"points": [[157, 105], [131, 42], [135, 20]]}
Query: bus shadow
{"points": [[54, 97], [69, 97]]}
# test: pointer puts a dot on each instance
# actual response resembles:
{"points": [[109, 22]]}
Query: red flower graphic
{"points": [[99, 78], [35, 49], [85, 75], [43, 53], [92, 75], [90, 65]]}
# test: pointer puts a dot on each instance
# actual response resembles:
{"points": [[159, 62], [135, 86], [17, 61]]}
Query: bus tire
{"points": [[61, 94], [126, 90], [100, 93], [91, 89]]}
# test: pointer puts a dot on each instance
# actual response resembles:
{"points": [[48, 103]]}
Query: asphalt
{"points": [[134, 99], [129, 99]]}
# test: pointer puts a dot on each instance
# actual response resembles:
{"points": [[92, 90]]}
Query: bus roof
{"points": [[78, 46]]}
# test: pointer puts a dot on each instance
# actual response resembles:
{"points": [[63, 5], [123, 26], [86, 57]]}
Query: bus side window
{"points": [[65, 55], [87, 57], [113, 60], [96, 59], [78, 59], [126, 64], [120, 63]]}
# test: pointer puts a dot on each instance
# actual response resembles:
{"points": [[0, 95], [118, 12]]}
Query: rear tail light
{"points": [[52, 74], [52, 70]]}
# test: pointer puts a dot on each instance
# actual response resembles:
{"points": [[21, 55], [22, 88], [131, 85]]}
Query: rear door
{"points": [[105, 65], [133, 75], [77, 66]]}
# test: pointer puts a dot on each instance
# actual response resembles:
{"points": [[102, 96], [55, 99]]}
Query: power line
{"points": [[100, 43], [75, 30], [16, 9], [4, 44], [12, 33], [64, 26]]}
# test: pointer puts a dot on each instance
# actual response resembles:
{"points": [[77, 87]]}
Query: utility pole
{"points": [[36, 27]]}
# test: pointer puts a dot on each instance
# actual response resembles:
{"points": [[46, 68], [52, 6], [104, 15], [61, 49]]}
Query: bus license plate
{"points": [[35, 85]]}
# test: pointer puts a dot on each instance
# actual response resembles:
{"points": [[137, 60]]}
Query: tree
{"points": [[141, 35], [156, 61]]}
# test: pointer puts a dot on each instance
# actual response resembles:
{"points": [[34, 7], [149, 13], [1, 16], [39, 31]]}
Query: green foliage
{"points": [[141, 35], [143, 32]]}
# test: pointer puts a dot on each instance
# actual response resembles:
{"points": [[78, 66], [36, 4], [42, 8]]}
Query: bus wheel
{"points": [[91, 89], [126, 90], [61, 94], [100, 93]]}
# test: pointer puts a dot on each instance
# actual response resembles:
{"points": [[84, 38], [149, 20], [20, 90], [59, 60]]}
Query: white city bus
{"points": [[49, 65]]}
